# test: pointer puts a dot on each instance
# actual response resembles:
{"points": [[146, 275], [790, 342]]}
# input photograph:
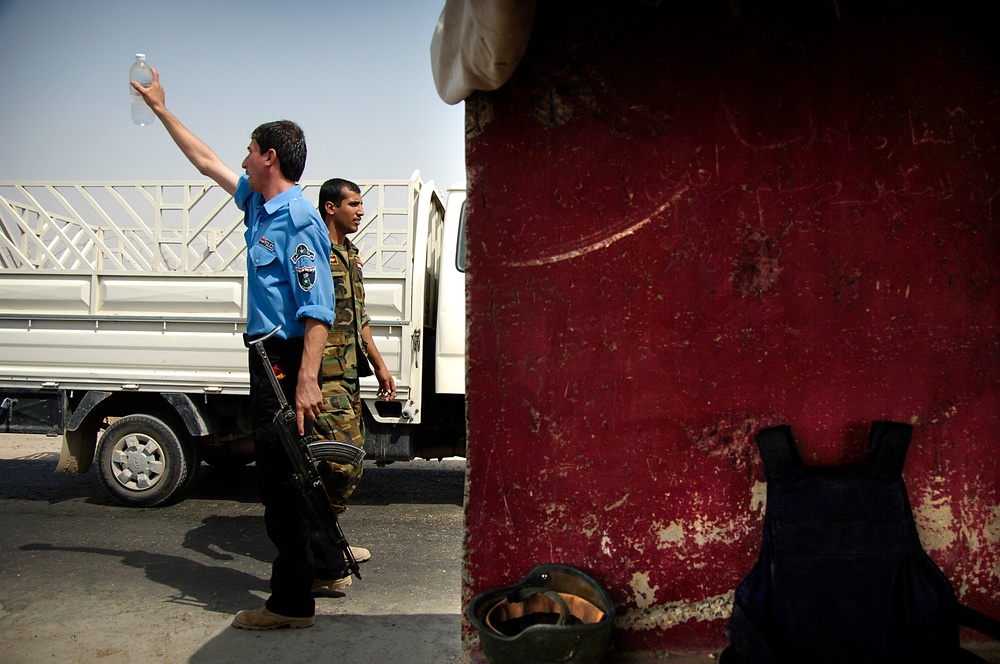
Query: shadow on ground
{"points": [[214, 588], [414, 482], [33, 478], [425, 482], [401, 639]]}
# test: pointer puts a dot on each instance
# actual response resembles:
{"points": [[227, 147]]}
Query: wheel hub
{"points": [[137, 462]]}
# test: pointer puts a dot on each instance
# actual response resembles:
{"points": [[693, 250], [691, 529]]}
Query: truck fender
{"points": [[191, 415], [78, 444], [87, 404]]}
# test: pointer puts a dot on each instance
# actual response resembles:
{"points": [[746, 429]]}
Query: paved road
{"points": [[84, 580]]}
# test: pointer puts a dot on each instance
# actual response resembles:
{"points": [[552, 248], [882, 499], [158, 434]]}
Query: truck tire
{"points": [[143, 461]]}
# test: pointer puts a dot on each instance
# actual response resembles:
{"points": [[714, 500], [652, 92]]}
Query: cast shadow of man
{"points": [[224, 537], [220, 537], [218, 589]]}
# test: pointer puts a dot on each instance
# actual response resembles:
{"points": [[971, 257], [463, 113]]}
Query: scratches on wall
{"points": [[621, 502], [925, 135], [605, 242], [777, 145]]}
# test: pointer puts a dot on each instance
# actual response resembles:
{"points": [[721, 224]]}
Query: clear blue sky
{"points": [[355, 75]]}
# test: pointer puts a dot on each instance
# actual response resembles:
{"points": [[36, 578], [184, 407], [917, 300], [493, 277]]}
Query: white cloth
{"points": [[477, 45]]}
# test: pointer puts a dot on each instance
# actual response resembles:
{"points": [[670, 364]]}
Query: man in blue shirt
{"points": [[289, 284]]}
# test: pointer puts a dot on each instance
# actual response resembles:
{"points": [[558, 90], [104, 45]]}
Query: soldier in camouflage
{"points": [[349, 345]]}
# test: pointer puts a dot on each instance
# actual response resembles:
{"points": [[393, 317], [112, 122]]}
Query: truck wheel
{"points": [[143, 462]]}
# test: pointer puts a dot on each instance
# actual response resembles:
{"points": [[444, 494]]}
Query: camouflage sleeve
{"points": [[359, 296]]}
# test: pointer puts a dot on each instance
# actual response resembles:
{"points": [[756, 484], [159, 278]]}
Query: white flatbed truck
{"points": [[122, 309]]}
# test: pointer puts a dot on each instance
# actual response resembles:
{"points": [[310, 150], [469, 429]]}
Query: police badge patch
{"points": [[302, 251], [306, 277]]}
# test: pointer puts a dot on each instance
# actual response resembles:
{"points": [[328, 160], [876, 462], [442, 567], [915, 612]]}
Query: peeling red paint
{"points": [[722, 224], [730, 438]]}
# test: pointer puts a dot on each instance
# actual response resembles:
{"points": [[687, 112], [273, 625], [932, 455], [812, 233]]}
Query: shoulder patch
{"points": [[306, 276], [302, 251]]}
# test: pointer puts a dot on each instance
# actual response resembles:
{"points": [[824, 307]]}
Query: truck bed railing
{"points": [[104, 284], [184, 227]]}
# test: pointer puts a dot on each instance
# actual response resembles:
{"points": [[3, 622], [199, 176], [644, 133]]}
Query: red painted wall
{"points": [[686, 227]]}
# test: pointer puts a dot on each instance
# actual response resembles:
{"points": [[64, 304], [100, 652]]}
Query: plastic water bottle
{"points": [[142, 115]]}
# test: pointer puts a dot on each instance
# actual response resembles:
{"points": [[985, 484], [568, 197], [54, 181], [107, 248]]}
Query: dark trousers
{"points": [[304, 552]]}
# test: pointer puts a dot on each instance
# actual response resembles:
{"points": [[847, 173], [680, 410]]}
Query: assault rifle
{"points": [[305, 453]]}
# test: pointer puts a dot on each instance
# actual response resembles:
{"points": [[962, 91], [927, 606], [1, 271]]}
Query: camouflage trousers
{"points": [[340, 421]]}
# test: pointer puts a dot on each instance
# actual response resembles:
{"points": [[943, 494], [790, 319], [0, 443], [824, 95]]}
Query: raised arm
{"points": [[199, 154]]}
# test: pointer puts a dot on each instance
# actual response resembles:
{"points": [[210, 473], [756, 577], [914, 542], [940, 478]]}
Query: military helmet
{"points": [[555, 614]]}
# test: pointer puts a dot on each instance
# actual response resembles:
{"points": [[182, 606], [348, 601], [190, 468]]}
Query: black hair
{"points": [[289, 143], [333, 190]]}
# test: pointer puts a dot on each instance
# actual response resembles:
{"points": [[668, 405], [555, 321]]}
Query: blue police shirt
{"points": [[288, 262]]}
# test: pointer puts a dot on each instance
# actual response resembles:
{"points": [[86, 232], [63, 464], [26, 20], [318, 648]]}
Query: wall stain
{"points": [[552, 111], [670, 614], [478, 114], [756, 269], [730, 438], [848, 277]]}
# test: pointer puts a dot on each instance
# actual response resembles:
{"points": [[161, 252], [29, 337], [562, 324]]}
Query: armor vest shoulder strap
{"points": [[887, 446], [777, 451]]}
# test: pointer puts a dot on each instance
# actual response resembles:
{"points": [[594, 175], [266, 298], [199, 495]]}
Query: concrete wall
{"points": [[688, 226]]}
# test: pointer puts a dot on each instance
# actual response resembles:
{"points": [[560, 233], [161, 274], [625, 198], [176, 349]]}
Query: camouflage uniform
{"points": [[343, 364]]}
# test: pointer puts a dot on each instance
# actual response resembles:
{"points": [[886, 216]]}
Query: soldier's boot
{"points": [[263, 619], [330, 585]]}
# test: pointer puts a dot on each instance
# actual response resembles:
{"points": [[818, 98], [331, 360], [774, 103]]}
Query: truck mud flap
{"points": [[385, 442], [77, 452]]}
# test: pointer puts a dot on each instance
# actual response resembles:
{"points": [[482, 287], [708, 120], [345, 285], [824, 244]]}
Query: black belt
{"points": [[272, 343]]}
